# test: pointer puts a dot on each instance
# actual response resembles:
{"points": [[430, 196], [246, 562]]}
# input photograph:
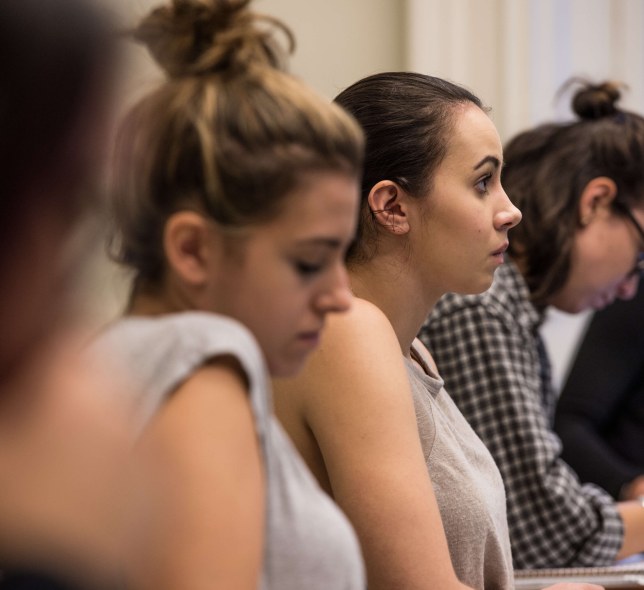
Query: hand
{"points": [[568, 586], [632, 490]]}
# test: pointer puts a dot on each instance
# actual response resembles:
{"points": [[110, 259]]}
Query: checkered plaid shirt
{"points": [[489, 351]]}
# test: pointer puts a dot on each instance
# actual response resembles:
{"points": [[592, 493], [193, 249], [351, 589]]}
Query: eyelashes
{"points": [[306, 269], [482, 185]]}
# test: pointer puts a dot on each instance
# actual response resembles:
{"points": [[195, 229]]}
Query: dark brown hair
{"points": [[547, 169], [55, 69], [229, 133], [406, 118], [52, 56]]}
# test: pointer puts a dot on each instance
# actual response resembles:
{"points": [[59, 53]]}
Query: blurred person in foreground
{"points": [[62, 434], [235, 198]]}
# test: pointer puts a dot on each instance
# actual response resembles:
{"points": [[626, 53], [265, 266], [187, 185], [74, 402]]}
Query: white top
{"points": [[309, 543]]}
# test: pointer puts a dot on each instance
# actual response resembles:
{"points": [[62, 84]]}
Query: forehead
{"points": [[321, 200], [473, 137]]}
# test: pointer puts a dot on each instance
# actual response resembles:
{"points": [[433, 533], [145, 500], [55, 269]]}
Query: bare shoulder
{"points": [[353, 342], [364, 321], [360, 339], [212, 402], [358, 372], [358, 369]]}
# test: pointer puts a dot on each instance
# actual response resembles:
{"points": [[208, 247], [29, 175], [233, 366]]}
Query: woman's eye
{"points": [[481, 185], [307, 268]]}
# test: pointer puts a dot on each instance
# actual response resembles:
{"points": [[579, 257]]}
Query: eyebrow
{"points": [[492, 159]]}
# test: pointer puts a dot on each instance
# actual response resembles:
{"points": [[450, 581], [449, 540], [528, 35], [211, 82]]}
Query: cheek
{"points": [[276, 332], [271, 304], [596, 278], [604, 265], [466, 242], [265, 293]]}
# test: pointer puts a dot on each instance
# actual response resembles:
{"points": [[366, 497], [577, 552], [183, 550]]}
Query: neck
{"points": [[148, 300], [398, 292]]}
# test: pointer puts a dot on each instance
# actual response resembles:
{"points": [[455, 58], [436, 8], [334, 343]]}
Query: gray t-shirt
{"points": [[309, 543], [468, 486]]}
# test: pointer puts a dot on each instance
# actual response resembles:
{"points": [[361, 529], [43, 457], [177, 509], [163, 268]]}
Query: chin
{"points": [[476, 288], [282, 368]]}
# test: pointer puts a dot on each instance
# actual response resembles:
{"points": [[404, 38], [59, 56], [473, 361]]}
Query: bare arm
{"points": [[632, 514], [356, 400], [201, 495]]}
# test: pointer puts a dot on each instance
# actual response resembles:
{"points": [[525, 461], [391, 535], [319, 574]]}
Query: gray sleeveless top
{"points": [[468, 486], [309, 543]]}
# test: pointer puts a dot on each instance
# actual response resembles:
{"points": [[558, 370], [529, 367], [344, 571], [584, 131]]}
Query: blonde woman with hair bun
{"points": [[236, 197]]}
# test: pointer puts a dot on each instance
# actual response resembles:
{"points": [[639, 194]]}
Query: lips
{"points": [[311, 338], [309, 335], [501, 249]]}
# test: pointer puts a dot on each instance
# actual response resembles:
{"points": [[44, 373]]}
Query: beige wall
{"points": [[341, 41], [516, 54], [338, 41]]}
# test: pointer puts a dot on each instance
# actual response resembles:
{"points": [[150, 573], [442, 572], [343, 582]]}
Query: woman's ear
{"points": [[388, 204], [187, 243], [598, 194]]}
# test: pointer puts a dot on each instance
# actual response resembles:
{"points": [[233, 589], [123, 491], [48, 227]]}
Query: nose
{"points": [[508, 216], [628, 287], [335, 295]]}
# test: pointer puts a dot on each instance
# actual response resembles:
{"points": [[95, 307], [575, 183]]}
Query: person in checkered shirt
{"points": [[580, 186]]}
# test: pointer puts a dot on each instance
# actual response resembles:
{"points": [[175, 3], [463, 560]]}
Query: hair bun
{"points": [[199, 37], [594, 101]]}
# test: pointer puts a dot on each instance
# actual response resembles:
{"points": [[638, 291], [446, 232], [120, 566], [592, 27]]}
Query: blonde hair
{"points": [[229, 133]]}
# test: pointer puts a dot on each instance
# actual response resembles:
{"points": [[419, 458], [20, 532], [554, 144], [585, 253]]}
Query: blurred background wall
{"points": [[515, 54]]}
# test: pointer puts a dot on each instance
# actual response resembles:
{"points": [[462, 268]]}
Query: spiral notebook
{"points": [[624, 576]]}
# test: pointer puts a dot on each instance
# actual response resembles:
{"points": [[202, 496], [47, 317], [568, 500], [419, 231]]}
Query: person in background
{"points": [[429, 509], [63, 435], [600, 412], [580, 186], [236, 196]]}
